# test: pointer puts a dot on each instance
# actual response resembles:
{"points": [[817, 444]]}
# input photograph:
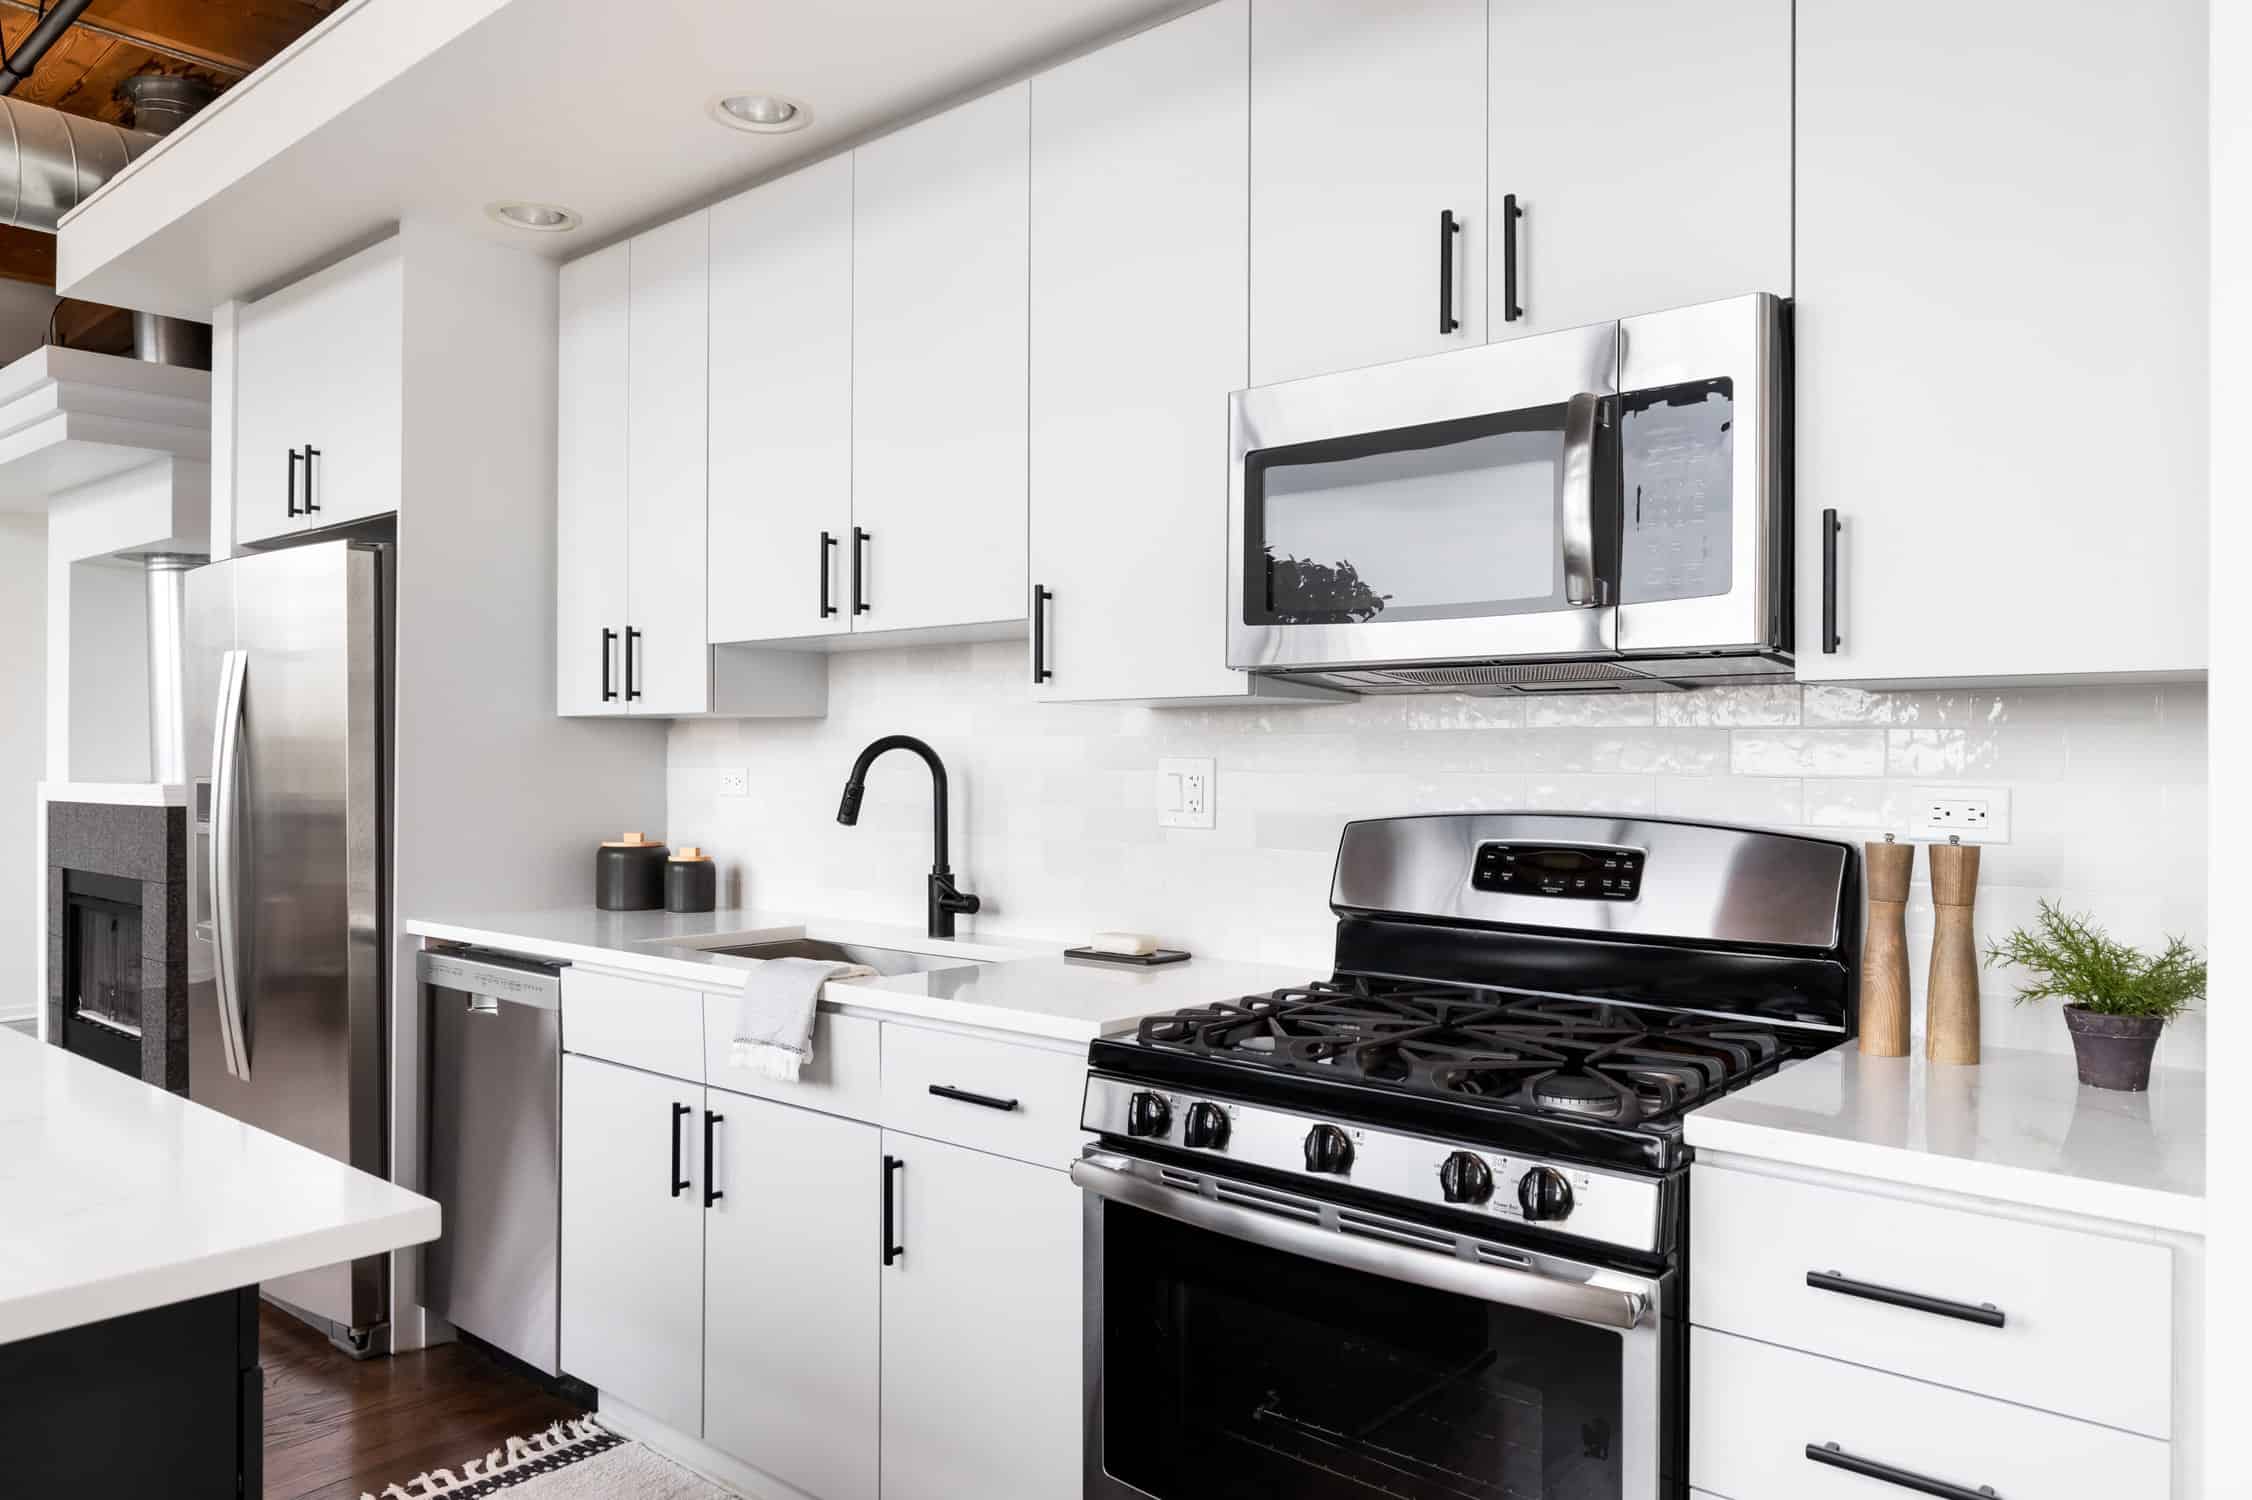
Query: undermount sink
{"points": [[883, 960]]}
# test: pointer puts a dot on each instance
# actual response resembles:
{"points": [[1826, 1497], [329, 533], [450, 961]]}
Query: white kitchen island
{"points": [[135, 1227]]}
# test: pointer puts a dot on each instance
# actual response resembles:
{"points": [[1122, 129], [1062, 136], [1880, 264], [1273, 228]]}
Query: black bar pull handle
{"points": [[712, 1122], [1985, 1313], [311, 453], [1040, 601], [1510, 214], [609, 638], [1448, 229], [632, 692], [828, 542], [892, 1249], [983, 1101], [295, 458], [1830, 528], [1830, 1455], [680, 1184], [860, 540]]}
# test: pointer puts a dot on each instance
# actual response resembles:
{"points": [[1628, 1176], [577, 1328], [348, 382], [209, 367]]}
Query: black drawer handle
{"points": [[712, 1122], [609, 637], [680, 1184], [1986, 1313], [1510, 214], [311, 453], [1830, 529], [827, 543], [295, 458], [1040, 600], [1830, 1455], [1448, 229], [983, 1101], [892, 1250]]}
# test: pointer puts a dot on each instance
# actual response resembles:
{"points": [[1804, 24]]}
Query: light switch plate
{"points": [[1184, 793], [735, 782], [1973, 814]]}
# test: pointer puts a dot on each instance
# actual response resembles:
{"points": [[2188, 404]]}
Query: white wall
{"points": [[108, 722], [1054, 823], [23, 753]]}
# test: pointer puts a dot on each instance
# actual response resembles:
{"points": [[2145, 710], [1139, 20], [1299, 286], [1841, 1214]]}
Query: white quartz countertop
{"points": [[116, 1197], [1002, 984], [2018, 1127]]}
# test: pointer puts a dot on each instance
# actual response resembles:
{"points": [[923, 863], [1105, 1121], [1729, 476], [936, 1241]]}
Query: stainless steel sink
{"points": [[882, 960]]}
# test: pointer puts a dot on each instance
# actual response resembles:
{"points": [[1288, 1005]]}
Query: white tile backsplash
{"points": [[1055, 823]]}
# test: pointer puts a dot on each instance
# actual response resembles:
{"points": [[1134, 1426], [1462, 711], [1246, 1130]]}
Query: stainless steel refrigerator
{"points": [[288, 689]]}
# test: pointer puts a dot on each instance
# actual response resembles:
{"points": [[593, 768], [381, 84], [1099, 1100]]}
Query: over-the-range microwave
{"points": [[1604, 507]]}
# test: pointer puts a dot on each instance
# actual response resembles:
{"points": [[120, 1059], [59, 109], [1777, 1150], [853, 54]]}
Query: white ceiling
{"points": [[599, 107]]}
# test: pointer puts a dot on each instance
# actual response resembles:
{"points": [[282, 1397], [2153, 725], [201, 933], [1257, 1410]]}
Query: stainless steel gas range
{"points": [[1420, 1230]]}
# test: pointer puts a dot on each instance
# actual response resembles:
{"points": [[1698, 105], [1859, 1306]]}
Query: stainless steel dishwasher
{"points": [[495, 1136]]}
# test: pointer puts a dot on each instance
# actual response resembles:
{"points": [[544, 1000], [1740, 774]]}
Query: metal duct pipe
{"points": [[161, 104], [51, 162], [166, 574], [36, 41]]}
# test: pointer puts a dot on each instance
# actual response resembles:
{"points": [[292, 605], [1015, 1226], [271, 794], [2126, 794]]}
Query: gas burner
{"points": [[1580, 1094]]}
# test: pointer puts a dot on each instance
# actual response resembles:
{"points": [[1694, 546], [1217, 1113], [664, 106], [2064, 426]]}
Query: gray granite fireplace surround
{"points": [[146, 847]]}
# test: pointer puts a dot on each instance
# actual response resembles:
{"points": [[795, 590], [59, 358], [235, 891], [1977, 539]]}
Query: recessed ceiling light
{"points": [[761, 114], [542, 218]]}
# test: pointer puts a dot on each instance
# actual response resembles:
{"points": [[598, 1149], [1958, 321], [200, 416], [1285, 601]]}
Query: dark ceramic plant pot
{"points": [[2113, 1051]]}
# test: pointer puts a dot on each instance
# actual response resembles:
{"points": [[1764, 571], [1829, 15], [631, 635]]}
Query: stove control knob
{"points": [[1206, 1128], [1328, 1149], [1148, 1114], [1544, 1194], [1464, 1177]]}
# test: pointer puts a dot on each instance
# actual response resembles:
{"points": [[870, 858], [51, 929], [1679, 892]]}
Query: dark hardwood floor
{"points": [[337, 1427]]}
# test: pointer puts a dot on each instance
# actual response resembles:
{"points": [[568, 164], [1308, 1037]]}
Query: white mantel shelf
{"points": [[69, 417], [116, 1197], [116, 793]]}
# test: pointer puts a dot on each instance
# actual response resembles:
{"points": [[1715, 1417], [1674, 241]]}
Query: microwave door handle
{"points": [[1582, 588]]}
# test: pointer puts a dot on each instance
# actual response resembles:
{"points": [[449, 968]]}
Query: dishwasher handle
{"points": [[490, 979]]}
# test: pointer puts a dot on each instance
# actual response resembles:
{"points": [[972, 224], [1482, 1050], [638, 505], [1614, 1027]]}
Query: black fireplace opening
{"points": [[101, 1011]]}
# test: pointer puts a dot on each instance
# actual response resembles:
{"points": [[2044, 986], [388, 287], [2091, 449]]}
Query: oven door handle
{"points": [[1583, 586], [1621, 1305]]}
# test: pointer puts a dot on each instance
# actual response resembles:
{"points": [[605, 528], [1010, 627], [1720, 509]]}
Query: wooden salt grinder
{"points": [[1951, 1002], [1884, 950]]}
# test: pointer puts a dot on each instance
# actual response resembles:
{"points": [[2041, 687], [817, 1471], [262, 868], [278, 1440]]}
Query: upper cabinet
{"points": [[320, 380], [1368, 182], [1639, 157], [593, 597], [940, 254], [2002, 339], [666, 669]]}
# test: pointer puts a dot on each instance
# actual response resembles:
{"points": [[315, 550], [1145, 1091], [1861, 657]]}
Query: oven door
{"points": [[1245, 1343], [1451, 508]]}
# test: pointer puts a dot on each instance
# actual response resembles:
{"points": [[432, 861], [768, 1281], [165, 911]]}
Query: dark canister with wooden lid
{"points": [[691, 880], [629, 874]]}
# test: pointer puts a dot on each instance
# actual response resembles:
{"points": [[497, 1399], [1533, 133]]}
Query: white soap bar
{"points": [[1123, 942]]}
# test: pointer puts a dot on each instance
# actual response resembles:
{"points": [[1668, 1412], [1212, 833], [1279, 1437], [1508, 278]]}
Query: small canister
{"points": [[691, 880], [629, 874]]}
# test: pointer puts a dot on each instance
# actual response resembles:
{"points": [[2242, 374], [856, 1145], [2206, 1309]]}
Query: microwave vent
{"points": [[1530, 675]]}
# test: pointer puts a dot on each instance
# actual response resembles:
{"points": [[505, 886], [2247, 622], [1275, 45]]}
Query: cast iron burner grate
{"points": [[1584, 1058]]}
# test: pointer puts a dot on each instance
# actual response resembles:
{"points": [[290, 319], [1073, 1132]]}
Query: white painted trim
{"points": [[115, 793]]}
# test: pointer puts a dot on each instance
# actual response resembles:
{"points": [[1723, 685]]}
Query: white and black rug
{"points": [[576, 1460]]}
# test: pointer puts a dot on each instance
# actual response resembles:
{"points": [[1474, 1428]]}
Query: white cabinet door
{"points": [[1647, 146], [1368, 121], [781, 407], [593, 538], [2002, 337], [981, 1319], [633, 1238], [1140, 191], [939, 259], [668, 664], [792, 1252]]}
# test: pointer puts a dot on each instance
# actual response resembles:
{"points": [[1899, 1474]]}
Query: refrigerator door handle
{"points": [[226, 744]]}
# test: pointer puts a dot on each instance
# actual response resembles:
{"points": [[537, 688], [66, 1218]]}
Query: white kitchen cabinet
{"points": [[1647, 148], [792, 1254], [319, 369], [1368, 121], [666, 661], [593, 535], [981, 1326], [632, 1247], [781, 407], [2002, 338], [939, 265]]}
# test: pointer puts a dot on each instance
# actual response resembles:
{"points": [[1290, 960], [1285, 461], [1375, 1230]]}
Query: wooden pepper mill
{"points": [[1951, 999], [1884, 950]]}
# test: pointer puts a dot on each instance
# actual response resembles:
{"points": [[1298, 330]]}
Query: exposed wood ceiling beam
{"points": [[158, 45]]}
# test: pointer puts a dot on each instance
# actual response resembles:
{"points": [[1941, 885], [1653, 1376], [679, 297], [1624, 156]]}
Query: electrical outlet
{"points": [[735, 783], [1184, 793], [1973, 814]]}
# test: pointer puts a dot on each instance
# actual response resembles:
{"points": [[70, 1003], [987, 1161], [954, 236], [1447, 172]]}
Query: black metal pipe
{"points": [[34, 46]]}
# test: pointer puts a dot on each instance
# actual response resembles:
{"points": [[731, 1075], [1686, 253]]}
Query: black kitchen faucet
{"points": [[945, 900]]}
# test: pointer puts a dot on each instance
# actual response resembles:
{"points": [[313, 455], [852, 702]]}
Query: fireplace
{"points": [[101, 1010], [117, 971]]}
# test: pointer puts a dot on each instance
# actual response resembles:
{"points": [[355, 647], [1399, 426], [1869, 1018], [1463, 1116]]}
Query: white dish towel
{"points": [[774, 1019]]}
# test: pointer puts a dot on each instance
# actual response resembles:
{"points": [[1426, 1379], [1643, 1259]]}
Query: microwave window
{"points": [[1677, 465], [1446, 523]]}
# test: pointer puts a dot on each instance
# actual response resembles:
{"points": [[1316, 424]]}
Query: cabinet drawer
{"points": [[2086, 1319], [844, 1078], [655, 1027], [1039, 1087], [1757, 1408]]}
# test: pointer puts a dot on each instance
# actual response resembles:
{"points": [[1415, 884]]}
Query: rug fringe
{"points": [[520, 1452]]}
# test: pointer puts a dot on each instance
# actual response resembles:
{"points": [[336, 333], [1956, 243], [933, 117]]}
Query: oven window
{"points": [[1677, 461], [1454, 520], [1234, 1372]]}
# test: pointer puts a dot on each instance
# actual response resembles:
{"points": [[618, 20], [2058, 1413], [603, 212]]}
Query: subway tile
{"points": [[1731, 707], [1577, 793], [1807, 752], [1760, 801], [1924, 752], [1548, 711], [1843, 803]]}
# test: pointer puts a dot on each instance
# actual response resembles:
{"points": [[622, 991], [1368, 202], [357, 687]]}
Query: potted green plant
{"points": [[2117, 998]]}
